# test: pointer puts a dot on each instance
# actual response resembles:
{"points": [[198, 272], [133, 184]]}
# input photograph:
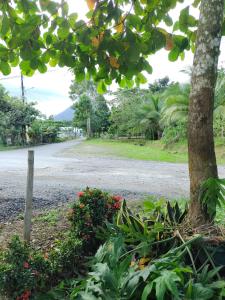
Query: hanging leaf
{"points": [[97, 40], [120, 26], [5, 68], [114, 62], [91, 4], [174, 54], [169, 42], [5, 25]]}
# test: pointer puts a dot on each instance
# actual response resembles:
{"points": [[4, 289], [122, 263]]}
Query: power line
{"points": [[19, 76]]}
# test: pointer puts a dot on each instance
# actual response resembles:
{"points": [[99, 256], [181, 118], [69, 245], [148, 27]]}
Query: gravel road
{"points": [[60, 173]]}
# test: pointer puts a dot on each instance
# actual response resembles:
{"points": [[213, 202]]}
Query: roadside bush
{"points": [[20, 272], [93, 208], [24, 273], [66, 258], [174, 133]]}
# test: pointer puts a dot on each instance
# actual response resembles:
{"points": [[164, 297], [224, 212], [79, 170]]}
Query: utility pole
{"points": [[22, 88], [89, 127], [23, 133]]}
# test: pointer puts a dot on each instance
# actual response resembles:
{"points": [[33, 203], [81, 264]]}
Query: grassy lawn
{"points": [[4, 148], [145, 150]]}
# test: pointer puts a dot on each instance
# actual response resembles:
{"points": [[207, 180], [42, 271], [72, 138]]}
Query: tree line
{"points": [[157, 112], [21, 123]]}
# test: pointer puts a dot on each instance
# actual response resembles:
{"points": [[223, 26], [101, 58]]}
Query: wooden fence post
{"points": [[29, 197]]}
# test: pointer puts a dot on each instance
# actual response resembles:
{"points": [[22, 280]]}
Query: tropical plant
{"points": [[212, 195], [148, 117], [136, 112], [44, 131], [174, 133], [176, 101], [91, 211]]}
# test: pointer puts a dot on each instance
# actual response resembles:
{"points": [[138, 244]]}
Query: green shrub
{"points": [[174, 133], [20, 272], [93, 208], [66, 258], [24, 272]]}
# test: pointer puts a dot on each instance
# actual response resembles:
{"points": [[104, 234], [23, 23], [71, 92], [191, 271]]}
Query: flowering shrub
{"points": [[23, 272], [92, 209], [20, 273]]}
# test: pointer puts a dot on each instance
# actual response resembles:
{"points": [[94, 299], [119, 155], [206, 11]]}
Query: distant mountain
{"points": [[66, 115]]}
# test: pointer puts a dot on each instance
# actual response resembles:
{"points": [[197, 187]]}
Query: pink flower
{"points": [[116, 205], [117, 198], [25, 295], [26, 265], [80, 194]]}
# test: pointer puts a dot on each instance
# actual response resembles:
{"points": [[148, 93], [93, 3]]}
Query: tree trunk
{"points": [[202, 159]]}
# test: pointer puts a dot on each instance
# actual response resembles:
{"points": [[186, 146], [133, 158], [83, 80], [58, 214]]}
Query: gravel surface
{"points": [[61, 171]]}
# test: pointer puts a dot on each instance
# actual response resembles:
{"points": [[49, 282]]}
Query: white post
{"points": [[29, 196]]}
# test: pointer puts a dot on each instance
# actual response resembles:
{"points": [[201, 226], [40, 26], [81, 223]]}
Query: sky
{"points": [[50, 90]]}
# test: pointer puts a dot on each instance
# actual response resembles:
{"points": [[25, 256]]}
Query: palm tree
{"points": [[148, 116], [175, 105]]}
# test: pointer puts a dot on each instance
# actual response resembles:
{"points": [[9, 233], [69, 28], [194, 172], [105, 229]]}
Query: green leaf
{"points": [[63, 30], [45, 57], [53, 62], [34, 63], [101, 88], [174, 54], [167, 281], [42, 67], [142, 79], [147, 290], [168, 20], [65, 8], [72, 19], [196, 3], [14, 60], [52, 7], [223, 28], [5, 25], [5, 68]]}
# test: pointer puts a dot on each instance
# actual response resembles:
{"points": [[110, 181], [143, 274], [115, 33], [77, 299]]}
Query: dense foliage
{"points": [[112, 45], [160, 111], [44, 131], [15, 117], [21, 123], [140, 256], [24, 271], [91, 109]]}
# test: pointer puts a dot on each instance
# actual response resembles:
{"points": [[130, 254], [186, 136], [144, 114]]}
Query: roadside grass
{"points": [[50, 218], [144, 150], [6, 148]]}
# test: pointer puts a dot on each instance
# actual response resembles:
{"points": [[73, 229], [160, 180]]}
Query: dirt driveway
{"points": [[65, 168]]}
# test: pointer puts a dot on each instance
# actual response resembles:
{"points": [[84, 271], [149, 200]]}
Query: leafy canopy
{"points": [[112, 45]]}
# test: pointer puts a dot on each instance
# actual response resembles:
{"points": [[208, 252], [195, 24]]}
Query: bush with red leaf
{"points": [[92, 209]]}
